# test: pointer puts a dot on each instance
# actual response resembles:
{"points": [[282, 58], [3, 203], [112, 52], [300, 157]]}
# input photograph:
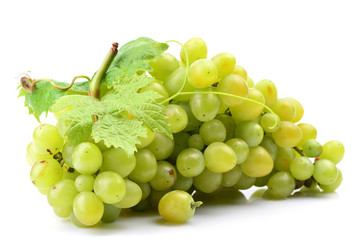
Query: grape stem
{"points": [[196, 204], [299, 151]]}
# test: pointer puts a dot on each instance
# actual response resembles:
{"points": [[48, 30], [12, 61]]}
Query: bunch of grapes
{"points": [[228, 132]]}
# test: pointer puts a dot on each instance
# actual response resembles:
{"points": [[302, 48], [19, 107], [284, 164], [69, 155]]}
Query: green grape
{"points": [[142, 206], [155, 196], [67, 152], [270, 146], [239, 70], [269, 91], [158, 88], [205, 106], [229, 124], [202, 73], [111, 213], [299, 110], [177, 206], [84, 183], [145, 141], [287, 135], [281, 184], [63, 212], [333, 186], [325, 172], [176, 118], [223, 108], [285, 109], [263, 181], [101, 145], [87, 158], [47, 140], [212, 131], [301, 168], [175, 81], [109, 187], [333, 150], [162, 146], [165, 176], [163, 66], [181, 143], [62, 194], [132, 197], [268, 121], [308, 131], [225, 63], [250, 82], [69, 172], [231, 177], [182, 183], [76, 221], [235, 85], [88, 208], [284, 158], [258, 164], [146, 166], [312, 148], [190, 162], [117, 160], [245, 182], [44, 191], [219, 157], [195, 48], [196, 141], [193, 124], [249, 110], [207, 181], [145, 190], [240, 148], [32, 155], [45, 173], [251, 132]]}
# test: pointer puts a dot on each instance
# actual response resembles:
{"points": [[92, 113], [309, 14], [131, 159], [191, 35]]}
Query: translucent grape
{"points": [[145, 141], [109, 187], [249, 110], [281, 184], [67, 152], [176, 117], [258, 164], [62, 212], [165, 176], [182, 182], [205, 106], [308, 131], [285, 109], [145, 168], [195, 48], [84, 183], [245, 182], [111, 213], [117, 160], [270, 146], [47, 140], [235, 85], [181, 143], [250, 82], [202, 73], [229, 124], [301, 168], [193, 124], [190, 162], [145, 190], [155, 196], [45, 173], [333, 186], [158, 88], [231, 177], [207, 181], [267, 122], [251, 132], [284, 158], [325, 172], [87, 158], [132, 197], [76, 221], [225, 63], [287, 135], [299, 110], [312, 148], [240, 148], [239, 70], [333, 150], [163, 66], [32, 155], [175, 81], [62, 194], [269, 91], [212, 131], [196, 141], [219, 157], [88, 208]]}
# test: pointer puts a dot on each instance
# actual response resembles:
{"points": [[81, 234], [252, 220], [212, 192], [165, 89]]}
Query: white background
{"points": [[310, 49]]}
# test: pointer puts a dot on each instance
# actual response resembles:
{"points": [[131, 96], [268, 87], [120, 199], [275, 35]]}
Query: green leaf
{"points": [[134, 56]]}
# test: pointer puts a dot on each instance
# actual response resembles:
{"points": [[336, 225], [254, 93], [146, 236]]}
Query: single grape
{"points": [[158, 88], [270, 122], [47, 140], [205, 107], [32, 155], [87, 158], [284, 158], [142, 206], [181, 143], [190, 162], [219, 157], [62, 194], [229, 124], [117, 160], [207, 181], [132, 197], [88, 208], [235, 85], [270, 146], [182, 182], [76, 221], [84, 183], [259, 162], [163, 66], [176, 117], [162, 146], [155, 197], [250, 82], [308, 131], [145, 141], [145, 190], [45, 173], [146, 166], [333, 186], [63, 212], [195, 48], [212, 131], [202, 73], [285, 109], [299, 110], [249, 110], [301, 168], [269, 91], [240, 148], [251, 132], [193, 124], [281, 184], [67, 152], [196, 141], [287, 135], [245, 182], [239, 70], [325, 172], [165, 176], [225, 63], [111, 213], [312, 148], [333, 150], [175, 81], [263, 181], [231, 177], [109, 187]]}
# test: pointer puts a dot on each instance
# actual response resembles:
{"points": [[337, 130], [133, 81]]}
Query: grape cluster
{"points": [[228, 132]]}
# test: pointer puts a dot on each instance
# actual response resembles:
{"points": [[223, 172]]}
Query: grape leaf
{"points": [[134, 56]]}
